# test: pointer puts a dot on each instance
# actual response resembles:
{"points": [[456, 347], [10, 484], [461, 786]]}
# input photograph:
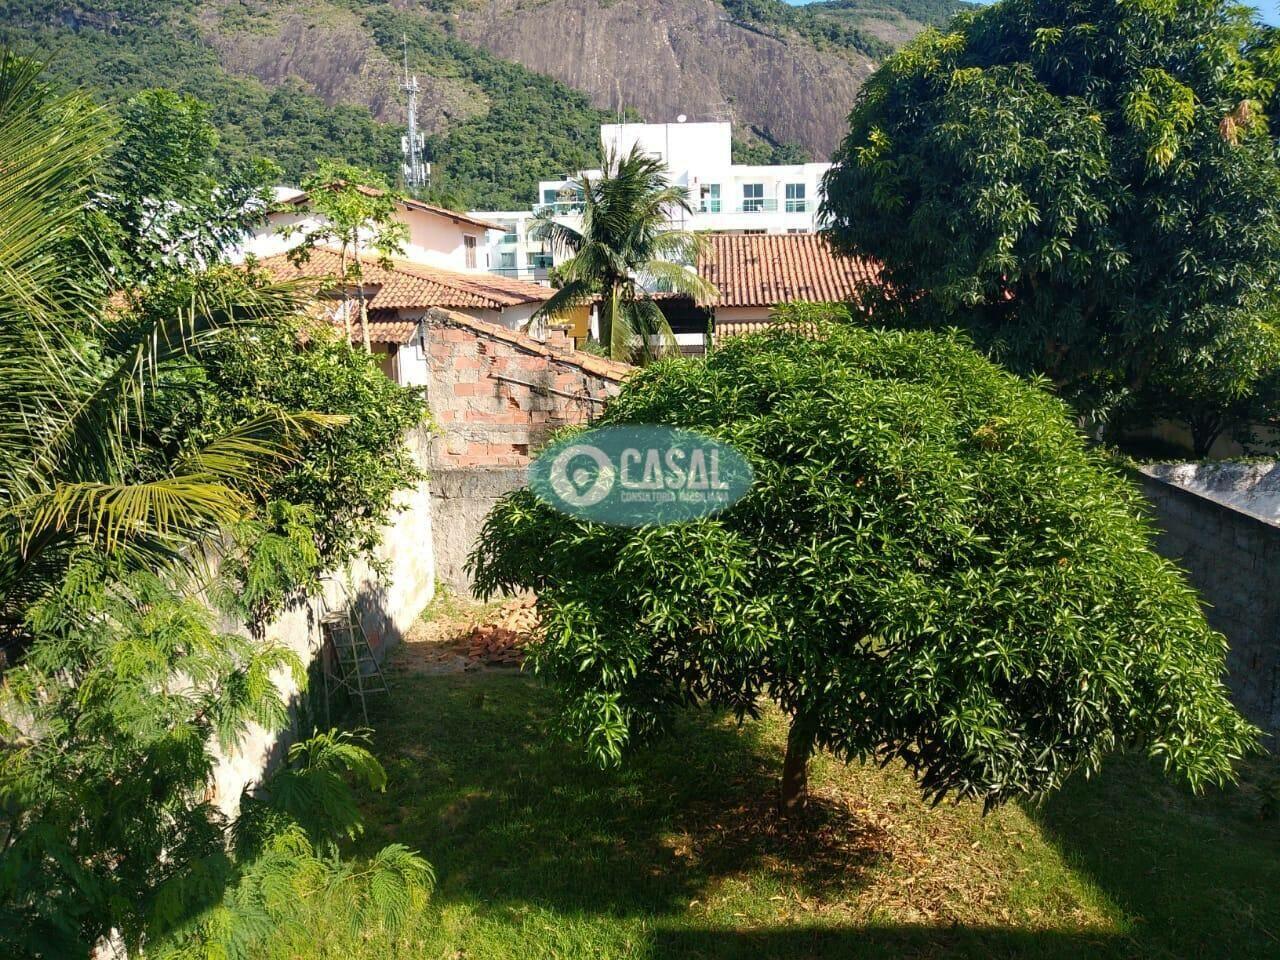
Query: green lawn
{"points": [[540, 855]]}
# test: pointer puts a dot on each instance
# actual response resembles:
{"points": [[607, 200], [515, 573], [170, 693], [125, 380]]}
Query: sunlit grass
{"points": [[539, 854]]}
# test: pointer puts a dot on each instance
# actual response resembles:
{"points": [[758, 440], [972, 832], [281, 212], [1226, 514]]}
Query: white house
{"points": [[438, 237], [726, 197]]}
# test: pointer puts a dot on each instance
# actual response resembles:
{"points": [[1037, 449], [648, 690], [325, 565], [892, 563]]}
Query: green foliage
{"points": [[346, 477], [624, 247], [811, 24], [493, 160], [124, 693], [768, 153], [930, 566], [1088, 187], [533, 125], [357, 214], [104, 782], [166, 204], [290, 888], [1231, 388]]}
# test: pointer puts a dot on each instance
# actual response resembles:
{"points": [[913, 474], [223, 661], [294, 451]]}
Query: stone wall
{"points": [[496, 395], [390, 602], [1233, 559]]}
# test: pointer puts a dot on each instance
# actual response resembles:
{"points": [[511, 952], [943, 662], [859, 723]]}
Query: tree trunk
{"points": [[795, 768], [608, 308], [346, 300], [364, 308]]}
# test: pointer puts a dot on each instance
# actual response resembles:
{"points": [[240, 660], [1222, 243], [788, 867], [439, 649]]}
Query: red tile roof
{"points": [[413, 286], [760, 270]]}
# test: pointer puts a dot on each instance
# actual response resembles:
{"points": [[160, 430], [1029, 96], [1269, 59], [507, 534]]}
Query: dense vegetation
{"points": [[1093, 190], [930, 566], [840, 23], [158, 407], [532, 124]]}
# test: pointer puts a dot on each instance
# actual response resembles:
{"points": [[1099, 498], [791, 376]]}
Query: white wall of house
{"points": [[435, 239]]}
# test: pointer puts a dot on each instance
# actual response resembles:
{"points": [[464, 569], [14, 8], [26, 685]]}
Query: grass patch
{"points": [[539, 854]]}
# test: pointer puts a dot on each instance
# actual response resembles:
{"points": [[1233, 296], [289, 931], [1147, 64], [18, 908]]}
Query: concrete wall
{"points": [[1233, 559], [461, 498], [390, 604]]}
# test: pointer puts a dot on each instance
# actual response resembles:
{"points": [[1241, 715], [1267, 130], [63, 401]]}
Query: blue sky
{"points": [[1270, 8]]}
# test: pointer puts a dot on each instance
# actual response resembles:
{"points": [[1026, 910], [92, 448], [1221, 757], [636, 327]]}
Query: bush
{"points": [[930, 566]]}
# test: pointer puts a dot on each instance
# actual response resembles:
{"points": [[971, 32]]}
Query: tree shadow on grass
{"points": [[1197, 875], [509, 813], [889, 942]]}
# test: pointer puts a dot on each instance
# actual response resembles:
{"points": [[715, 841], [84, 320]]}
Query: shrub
{"points": [[930, 566]]}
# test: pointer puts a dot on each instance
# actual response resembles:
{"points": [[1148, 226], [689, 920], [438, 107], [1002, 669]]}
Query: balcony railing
{"points": [[521, 273], [561, 209], [758, 205]]}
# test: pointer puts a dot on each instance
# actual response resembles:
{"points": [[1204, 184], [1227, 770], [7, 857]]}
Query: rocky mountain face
{"points": [[663, 58], [657, 58]]}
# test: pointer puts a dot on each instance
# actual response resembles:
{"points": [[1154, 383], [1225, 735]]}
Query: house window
{"points": [[549, 196], [469, 251], [507, 261], [795, 198], [710, 198], [752, 197], [796, 230], [540, 261], [509, 238]]}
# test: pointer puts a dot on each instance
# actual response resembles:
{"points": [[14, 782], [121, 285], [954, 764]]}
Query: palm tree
{"points": [[79, 365], [625, 248]]}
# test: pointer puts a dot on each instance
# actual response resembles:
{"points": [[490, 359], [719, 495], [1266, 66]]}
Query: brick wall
{"points": [[1233, 559], [496, 394]]}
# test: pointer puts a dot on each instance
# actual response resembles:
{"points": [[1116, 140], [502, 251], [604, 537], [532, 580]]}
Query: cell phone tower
{"points": [[417, 173]]}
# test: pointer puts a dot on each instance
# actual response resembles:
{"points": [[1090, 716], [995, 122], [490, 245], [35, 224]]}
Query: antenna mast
{"points": [[416, 172]]}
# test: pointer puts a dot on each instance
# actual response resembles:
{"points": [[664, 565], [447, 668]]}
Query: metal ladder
{"points": [[349, 663]]}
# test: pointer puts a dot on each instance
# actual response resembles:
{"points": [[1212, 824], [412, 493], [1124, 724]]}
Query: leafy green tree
{"points": [[624, 247], [1231, 389], [167, 202], [1089, 187], [357, 214], [122, 690], [930, 566]]}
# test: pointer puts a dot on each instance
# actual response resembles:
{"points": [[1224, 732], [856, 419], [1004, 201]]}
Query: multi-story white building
{"points": [[725, 197]]}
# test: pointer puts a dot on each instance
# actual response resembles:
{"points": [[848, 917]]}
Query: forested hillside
{"points": [[301, 80]]}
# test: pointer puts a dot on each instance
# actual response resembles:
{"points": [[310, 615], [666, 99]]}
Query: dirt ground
{"points": [[456, 634]]}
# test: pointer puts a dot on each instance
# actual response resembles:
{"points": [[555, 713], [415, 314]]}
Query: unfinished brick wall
{"points": [[497, 394]]}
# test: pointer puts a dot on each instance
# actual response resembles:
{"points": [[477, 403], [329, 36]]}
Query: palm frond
{"points": [[175, 509]]}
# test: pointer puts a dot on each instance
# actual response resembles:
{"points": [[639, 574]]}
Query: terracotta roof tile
{"points": [[413, 286], [760, 270]]}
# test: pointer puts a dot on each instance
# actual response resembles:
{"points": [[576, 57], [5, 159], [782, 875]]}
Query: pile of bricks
{"points": [[502, 638]]}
